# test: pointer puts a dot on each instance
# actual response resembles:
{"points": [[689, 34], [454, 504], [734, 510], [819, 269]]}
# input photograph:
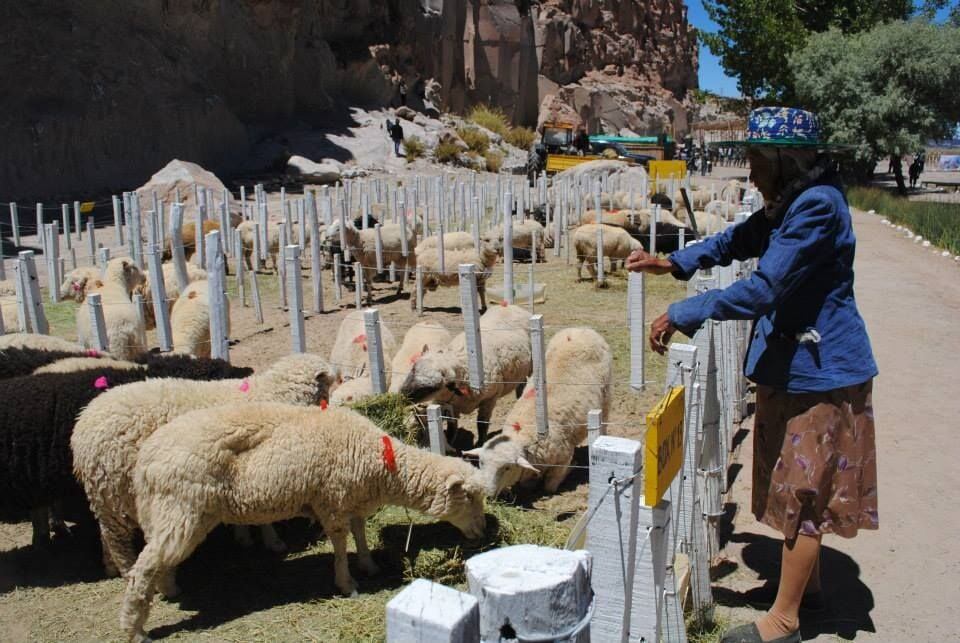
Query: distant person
{"points": [[396, 133], [815, 459], [923, 160], [915, 171], [582, 142], [402, 88]]}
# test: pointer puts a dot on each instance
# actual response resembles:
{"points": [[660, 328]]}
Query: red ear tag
{"points": [[323, 405], [415, 357], [389, 459], [503, 302], [531, 392], [92, 353], [359, 339]]}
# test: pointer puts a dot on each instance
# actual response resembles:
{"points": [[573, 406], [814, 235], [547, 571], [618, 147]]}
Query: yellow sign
{"points": [[664, 445], [86, 207], [666, 170]]}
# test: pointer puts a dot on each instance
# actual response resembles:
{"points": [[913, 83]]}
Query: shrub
{"points": [[937, 222], [475, 139], [446, 152], [521, 137], [491, 118], [494, 160], [413, 148]]}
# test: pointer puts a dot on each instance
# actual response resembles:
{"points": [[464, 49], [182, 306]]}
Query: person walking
{"points": [[814, 467], [914, 171], [396, 133]]}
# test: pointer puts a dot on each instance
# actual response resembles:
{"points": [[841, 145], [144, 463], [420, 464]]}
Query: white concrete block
{"points": [[427, 612]]}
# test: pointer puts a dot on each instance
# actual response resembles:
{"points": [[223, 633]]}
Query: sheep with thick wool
{"points": [[74, 285], [363, 243], [190, 320], [111, 429], [40, 342], [36, 470], [171, 288], [617, 244], [17, 362], [455, 253], [266, 462], [350, 349], [126, 332], [87, 363], [707, 222], [245, 230], [523, 233], [579, 366], [442, 376], [421, 338]]}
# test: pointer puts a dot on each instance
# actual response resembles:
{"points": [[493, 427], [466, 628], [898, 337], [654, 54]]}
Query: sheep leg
{"points": [[553, 478], [580, 270], [241, 533], [271, 540], [337, 533], [482, 291], [117, 539], [365, 559], [368, 284], [483, 419], [247, 254], [57, 524], [40, 517]]}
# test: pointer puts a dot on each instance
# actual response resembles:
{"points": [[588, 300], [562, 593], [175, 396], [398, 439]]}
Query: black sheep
{"points": [[37, 419], [16, 362]]}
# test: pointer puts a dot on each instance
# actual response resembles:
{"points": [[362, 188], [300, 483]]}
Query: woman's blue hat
{"points": [[783, 127]]}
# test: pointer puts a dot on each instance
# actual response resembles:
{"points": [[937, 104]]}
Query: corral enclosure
{"points": [[230, 593]]}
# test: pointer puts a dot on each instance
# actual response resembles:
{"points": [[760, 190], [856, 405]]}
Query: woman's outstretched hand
{"points": [[661, 330], [642, 261]]}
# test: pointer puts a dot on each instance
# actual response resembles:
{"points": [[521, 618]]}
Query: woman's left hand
{"points": [[661, 330]]}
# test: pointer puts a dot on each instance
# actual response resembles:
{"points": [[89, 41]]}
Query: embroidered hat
{"points": [[783, 127]]}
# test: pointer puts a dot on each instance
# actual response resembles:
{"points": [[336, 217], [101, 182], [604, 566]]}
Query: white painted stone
{"points": [[926, 244], [427, 612], [538, 592], [945, 253]]}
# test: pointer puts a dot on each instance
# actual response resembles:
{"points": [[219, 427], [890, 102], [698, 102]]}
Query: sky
{"points": [[712, 76]]}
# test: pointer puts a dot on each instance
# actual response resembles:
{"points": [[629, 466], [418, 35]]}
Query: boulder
{"points": [[327, 172], [406, 113], [182, 175]]}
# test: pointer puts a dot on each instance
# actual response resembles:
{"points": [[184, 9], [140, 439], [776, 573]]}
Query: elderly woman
{"points": [[814, 454]]}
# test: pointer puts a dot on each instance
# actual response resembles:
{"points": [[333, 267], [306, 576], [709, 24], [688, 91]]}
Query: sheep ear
{"points": [[523, 463], [474, 452], [424, 350], [455, 486]]}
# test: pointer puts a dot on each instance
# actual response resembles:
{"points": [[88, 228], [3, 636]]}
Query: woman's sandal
{"points": [[812, 603], [750, 634]]}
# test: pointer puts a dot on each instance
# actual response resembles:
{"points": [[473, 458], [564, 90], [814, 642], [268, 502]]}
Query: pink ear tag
{"points": [[101, 382], [244, 386]]}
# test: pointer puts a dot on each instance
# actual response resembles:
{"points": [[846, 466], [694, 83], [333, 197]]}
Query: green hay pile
{"points": [[391, 412]]}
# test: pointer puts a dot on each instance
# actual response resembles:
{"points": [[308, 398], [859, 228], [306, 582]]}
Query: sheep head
{"points": [[459, 500], [503, 463], [123, 271], [435, 375], [301, 378], [494, 239]]}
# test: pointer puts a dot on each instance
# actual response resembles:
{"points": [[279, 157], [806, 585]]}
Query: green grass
{"points": [[492, 118], [475, 139], [521, 137], [413, 148], [446, 152], [494, 161], [937, 222], [391, 412]]}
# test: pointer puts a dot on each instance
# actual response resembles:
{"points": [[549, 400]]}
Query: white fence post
{"points": [[636, 318], [378, 247], [419, 289], [295, 288], [378, 376], [240, 268], [158, 292], [539, 374], [650, 582], [38, 319], [337, 277], [595, 427], [438, 441], [219, 348], [282, 230], [51, 238], [255, 297], [21, 286], [91, 241], [316, 261], [136, 240], [65, 216], [104, 258], [176, 247], [507, 251], [39, 217], [471, 324], [612, 535], [358, 283], [430, 612], [98, 327], [76, 221], [15, 223]]}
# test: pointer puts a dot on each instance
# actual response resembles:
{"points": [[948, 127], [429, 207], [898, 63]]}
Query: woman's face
{"points": [[764, 172]]}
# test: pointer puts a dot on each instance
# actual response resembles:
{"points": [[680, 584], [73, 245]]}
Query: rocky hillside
{"points": [[99, 95]]}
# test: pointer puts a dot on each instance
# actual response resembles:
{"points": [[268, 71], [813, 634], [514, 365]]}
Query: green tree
{"points": [[885, 91], [756, 37]]}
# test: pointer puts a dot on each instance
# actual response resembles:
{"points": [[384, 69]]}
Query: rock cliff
{"points": [[99, 95]]}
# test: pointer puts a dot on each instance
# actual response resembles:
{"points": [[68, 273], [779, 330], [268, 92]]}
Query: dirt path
{"points": [[899, 583]]}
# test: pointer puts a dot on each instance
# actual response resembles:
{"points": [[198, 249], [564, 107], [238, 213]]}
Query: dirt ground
{"points": [[234, 594]]}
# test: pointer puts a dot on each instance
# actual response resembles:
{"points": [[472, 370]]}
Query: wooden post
{"points": [[428, 611], [538, 349], [636, 319], [612, 534], [471, 324], [520, 589], [98, 327], [595, 426], [15, 223], [176, 247], [34, 303], [51, 241], [419, 289], [219, 348], [295, 289], [507, 251], [378, 376], [438, 441]]}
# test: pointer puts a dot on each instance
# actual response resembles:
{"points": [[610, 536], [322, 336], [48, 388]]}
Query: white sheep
{"points": [[126, 333], [363, 243], [522, 233], [267, 462], [171, 289], [245, 230], [442, 376], [617, 244], [579, 379], [74, 285], [190, 320], [109, 432], [707, 222], [420, 338], [349, 352], [74, 364], [451, 241], [699, 198], [39, 342], [454, 254]]}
